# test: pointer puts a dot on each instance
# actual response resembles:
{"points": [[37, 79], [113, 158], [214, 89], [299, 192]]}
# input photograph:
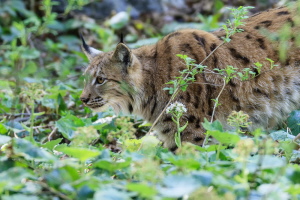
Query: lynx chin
{"points": [[132, 80]]}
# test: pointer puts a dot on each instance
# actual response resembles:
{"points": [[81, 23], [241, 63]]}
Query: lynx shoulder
{"points": [[132, 80]]}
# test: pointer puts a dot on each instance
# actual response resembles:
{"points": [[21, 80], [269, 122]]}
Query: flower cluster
{"points": [[176, 107]]}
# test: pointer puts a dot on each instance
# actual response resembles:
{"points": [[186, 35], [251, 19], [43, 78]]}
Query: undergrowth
{"points": [[54, 148]]}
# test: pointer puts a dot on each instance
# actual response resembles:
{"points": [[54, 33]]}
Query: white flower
{"points": [[176, 107]]}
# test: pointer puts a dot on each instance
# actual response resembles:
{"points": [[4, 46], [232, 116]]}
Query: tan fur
{"points": [[137, 86]]}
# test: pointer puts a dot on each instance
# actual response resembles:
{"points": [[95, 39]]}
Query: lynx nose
{"points": [[84, 100]]}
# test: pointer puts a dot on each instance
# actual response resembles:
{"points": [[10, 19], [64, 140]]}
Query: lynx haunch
{"points": [[132, 80]]}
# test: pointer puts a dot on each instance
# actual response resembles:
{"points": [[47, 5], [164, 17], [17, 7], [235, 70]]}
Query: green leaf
{"points": [[142, 189], [4, 139], [293, 122], [30, 68], [186, 163], [30, 53], [288, 147], [20, 196], [111, 194], [51, 144], [183, 127], [176, 186], [177, 140], [132, 145], [112, 166], [13, 178], [263, 162], [216, 125], [77, 152], [3, 129], [61, 103], [281, 136], [209, 148], [68, 124], [26, 149], [224, 137]]}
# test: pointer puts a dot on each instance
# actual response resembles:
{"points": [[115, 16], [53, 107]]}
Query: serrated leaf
{"points": [[77, 152]]}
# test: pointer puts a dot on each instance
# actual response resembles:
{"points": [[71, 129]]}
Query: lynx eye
{"points": [[100, 80]]}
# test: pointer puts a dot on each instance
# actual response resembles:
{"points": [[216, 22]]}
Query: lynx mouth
{"points": [[95, 103]]}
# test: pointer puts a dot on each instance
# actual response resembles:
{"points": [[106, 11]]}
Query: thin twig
{"points": [[214, 109], [217, 100], [51, 134], [15, 115], [53, 191]]}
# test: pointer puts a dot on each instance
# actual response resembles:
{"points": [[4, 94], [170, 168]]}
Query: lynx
{"points": [[132, 80]]}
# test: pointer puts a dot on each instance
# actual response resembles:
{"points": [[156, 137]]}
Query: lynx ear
{"points": [[122, 54], [90, 52]]}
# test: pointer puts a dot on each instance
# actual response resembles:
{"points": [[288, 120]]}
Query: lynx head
{"points": [[111, 79]]}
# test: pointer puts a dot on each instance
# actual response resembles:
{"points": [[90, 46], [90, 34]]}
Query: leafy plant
{"points": [[51, 147], [176, 110]]}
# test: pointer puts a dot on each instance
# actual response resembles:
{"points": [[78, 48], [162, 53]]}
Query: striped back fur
{"points": [[132, 80]]}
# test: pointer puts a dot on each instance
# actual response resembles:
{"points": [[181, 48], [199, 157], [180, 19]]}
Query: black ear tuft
{"points": [[121, 38], [84, 45]]}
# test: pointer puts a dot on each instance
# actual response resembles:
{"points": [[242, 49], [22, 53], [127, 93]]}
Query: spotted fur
{"points": [[134, 78]]}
